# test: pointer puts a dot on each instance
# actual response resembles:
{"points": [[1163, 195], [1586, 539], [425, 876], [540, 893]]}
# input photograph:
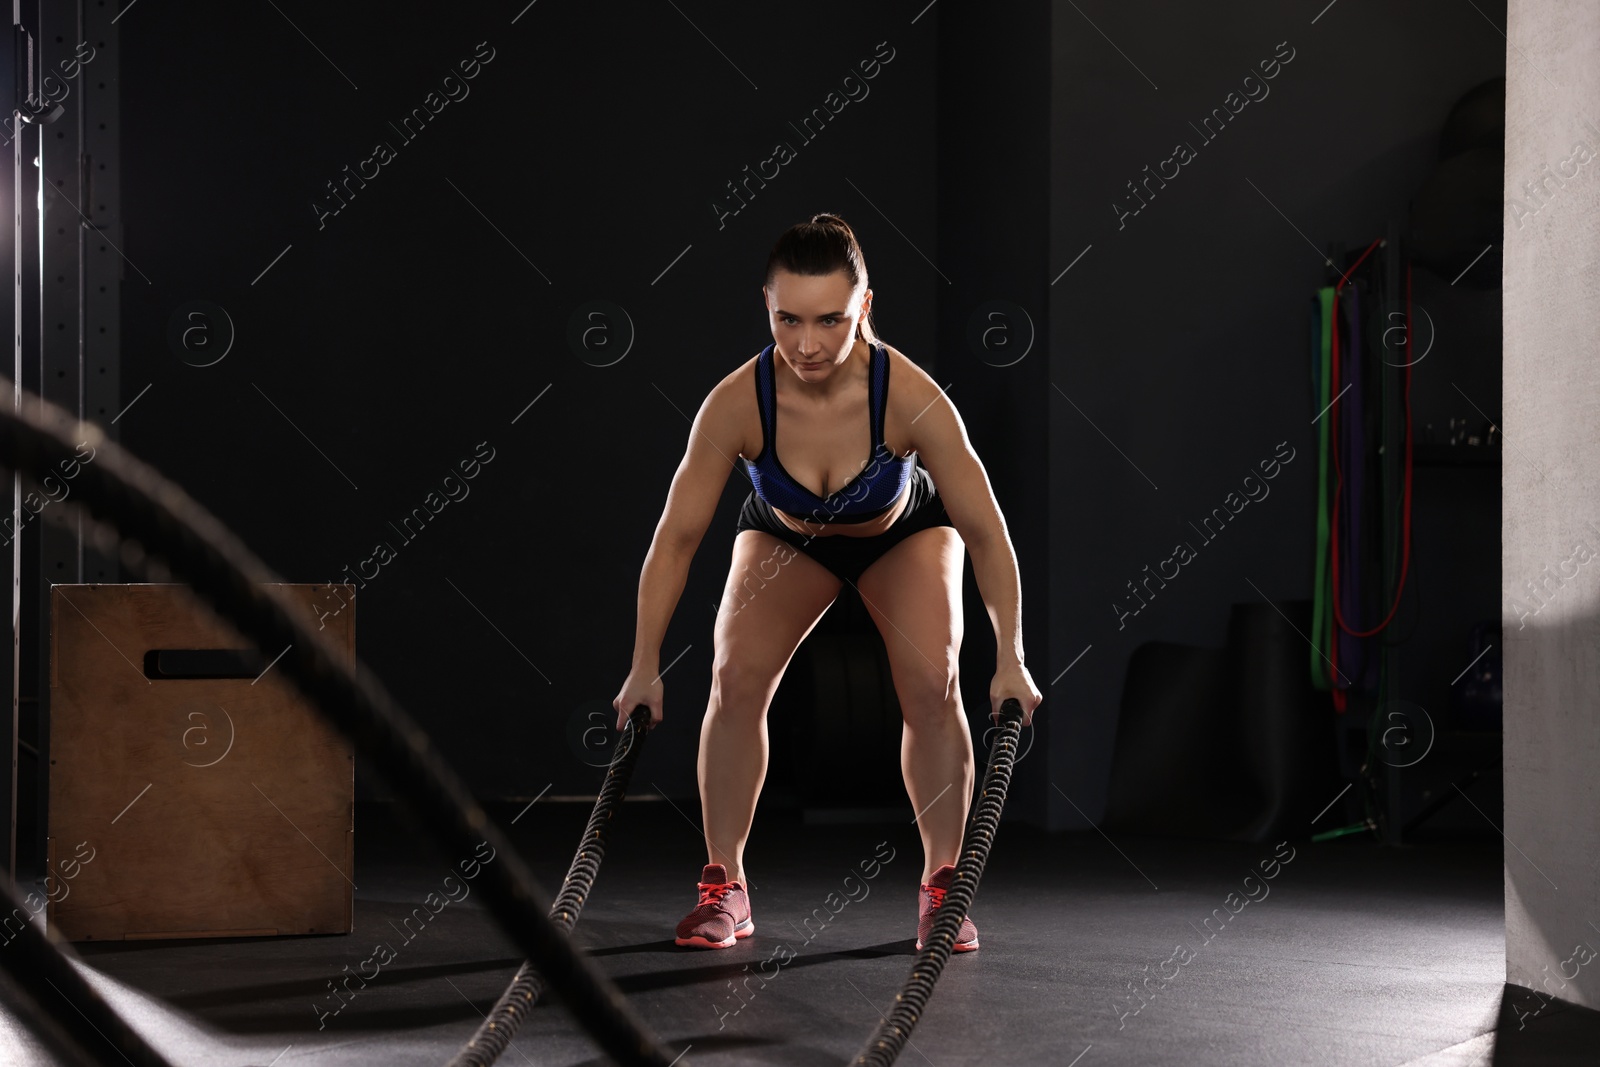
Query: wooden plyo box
{"points": [[183, 805]]}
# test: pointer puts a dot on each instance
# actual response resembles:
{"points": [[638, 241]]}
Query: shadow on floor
{"points": [[1535, 1030], [685, 976]]}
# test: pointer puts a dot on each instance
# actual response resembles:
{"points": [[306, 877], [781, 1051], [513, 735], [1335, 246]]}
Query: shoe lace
{"points": [[713, 892], [936, 894]]}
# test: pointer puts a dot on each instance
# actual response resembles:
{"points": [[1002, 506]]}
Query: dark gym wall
{"points": [[376, 347], [994, 193], [375, 350], [1181, 336]]}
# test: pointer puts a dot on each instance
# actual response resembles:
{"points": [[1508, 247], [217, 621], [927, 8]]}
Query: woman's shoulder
{"points": [[739, 378], [908, 383], [731, 403], [911, 396], [897, 358]]}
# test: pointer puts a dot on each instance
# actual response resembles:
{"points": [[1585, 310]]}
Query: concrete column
{"points": [[1550, 495]]}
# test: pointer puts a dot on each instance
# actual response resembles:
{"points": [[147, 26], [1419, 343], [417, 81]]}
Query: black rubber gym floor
{"points": [[1350, 954]]}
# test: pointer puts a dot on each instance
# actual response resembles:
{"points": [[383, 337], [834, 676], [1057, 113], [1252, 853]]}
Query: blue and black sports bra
{"points": [[867, 495]]}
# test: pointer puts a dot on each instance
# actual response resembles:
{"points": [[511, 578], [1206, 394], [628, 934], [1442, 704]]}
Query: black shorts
{"points": [[847, 557]]}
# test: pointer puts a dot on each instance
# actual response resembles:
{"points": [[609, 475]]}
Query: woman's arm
{"points": [[715, 441], [940, 438]]}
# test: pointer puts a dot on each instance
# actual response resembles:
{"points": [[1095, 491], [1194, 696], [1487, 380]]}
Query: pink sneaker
{"points": [[932, 896], [723, 915]]}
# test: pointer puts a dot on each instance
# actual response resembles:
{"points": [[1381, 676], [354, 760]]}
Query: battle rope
{"points": [[890, 1038], [158, 519], [501, 1024], [45, 974]]}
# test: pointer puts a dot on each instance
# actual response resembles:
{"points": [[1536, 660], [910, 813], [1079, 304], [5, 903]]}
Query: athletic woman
{"points": [[817, 517]]}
